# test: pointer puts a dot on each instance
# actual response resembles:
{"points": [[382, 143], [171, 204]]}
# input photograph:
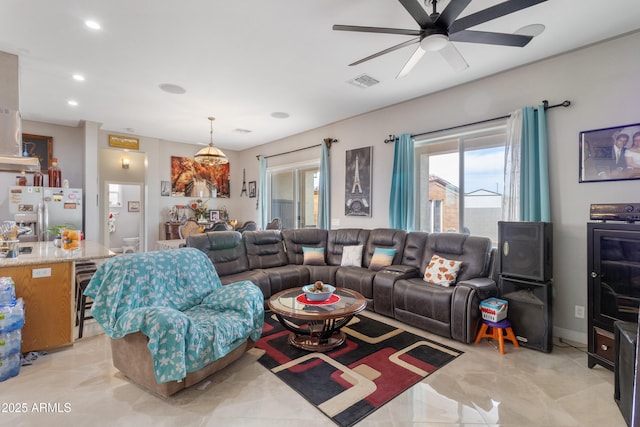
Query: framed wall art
{"points": [[357, 191], [610, 154], [40, 147], [252, 189], [192, 179], [214, 216], [133, 206]]}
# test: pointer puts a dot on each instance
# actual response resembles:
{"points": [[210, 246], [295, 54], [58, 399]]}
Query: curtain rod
{"points": [[327, 141], [545, 104]]}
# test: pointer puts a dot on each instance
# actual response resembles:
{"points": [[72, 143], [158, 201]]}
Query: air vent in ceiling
{"points": [[239, 130], [363, 81]]}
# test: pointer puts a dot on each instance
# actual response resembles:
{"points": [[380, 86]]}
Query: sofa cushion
{"points": [[338, 239], [384, 238], [313, 256], [265, 249], [442, 271], [473, 251], [351, 256], [295, 239], [224, 248], [382, 257]]}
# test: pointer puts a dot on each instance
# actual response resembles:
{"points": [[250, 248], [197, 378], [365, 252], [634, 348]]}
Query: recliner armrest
{"points": [[484, 286], [401, 269], [465, 307]]}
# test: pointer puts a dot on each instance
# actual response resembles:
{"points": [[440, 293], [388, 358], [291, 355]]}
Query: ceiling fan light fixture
{"points": [[434, 42], [211, 155]]}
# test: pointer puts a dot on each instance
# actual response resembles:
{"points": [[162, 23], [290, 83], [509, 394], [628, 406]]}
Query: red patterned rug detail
{"points": [[376, 363]]}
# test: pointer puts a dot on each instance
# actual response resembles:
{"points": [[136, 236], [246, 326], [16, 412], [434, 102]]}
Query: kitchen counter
{"points": [[46, 252], [45, 280]]}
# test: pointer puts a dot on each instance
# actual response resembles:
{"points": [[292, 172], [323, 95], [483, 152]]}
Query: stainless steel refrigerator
{"points": [[52, 206]]}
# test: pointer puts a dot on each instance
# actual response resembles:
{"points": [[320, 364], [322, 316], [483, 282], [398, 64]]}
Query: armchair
{"points": [[170, 319]]}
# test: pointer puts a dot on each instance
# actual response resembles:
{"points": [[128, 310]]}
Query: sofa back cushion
{"points": [[414, 246], [384, 238], [265, 249], [473, 251], [296, 239], [224, 248], [338, 239]]}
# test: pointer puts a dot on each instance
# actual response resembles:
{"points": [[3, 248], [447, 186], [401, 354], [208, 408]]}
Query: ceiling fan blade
{"points": [[376, 30], [490, 13], [502, 39], [452, 11], [418, 13], [413, 60], [391, 49], [454, 57]]}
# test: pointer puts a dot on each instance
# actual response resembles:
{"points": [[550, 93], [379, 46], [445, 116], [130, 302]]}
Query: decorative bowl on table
{"points": [[313, 292]]}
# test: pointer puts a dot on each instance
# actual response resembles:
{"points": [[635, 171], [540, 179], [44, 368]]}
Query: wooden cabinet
{"points": [[614, 285], [171, 230], [48, 304]]}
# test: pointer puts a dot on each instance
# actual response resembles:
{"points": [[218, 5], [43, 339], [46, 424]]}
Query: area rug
{"points": [[376, 363]]}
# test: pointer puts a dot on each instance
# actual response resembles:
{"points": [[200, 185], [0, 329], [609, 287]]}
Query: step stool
{"points": [[497, 331]]}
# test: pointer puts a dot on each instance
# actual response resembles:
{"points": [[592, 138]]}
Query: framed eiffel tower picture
{"points": [[357, 190]]}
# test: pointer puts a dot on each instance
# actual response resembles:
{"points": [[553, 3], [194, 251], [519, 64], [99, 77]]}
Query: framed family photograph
{"points": [[214, 216], [252, 189], [610, 154]]}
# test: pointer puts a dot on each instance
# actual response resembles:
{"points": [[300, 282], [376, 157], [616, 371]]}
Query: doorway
{"points": [[124, 214]]}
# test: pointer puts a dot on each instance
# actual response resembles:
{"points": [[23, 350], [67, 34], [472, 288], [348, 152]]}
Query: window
{"points": [[466, 162], [293, 195]]}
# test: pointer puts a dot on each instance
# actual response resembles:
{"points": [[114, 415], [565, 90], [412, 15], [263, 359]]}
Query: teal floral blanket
{"points": [[175, 297]]}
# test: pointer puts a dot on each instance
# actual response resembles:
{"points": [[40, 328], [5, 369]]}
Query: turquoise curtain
{"points": [[534, 169], [401, 202], [324, 190], [262, 194]]}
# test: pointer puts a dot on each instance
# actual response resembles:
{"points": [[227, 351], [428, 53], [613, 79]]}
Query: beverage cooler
{"points": [[46, 207]]}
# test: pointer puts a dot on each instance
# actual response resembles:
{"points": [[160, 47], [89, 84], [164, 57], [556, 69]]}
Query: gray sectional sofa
{"points": [[274, 260]]}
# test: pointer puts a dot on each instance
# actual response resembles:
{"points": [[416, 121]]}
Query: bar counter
{"points": [[45, 280]]}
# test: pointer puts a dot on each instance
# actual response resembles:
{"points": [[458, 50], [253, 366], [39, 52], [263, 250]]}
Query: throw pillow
{"points": [[442, 271], [381, 258], [352, 255], [313, 256]]}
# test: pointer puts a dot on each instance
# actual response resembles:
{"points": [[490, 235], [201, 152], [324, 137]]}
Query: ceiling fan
{"points": [[438, 30]]}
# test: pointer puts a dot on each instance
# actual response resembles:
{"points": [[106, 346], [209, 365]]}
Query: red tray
{"points": [[302, 298]]}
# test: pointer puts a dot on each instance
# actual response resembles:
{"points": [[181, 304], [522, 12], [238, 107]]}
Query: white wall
{"points": [[602, 82]]}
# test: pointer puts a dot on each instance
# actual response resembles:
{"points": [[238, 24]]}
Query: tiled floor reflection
{"points": [[79, 386]]}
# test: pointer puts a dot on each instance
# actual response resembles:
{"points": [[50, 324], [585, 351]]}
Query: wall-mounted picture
{"points": [[357, 191], [40, 147], [252, 189], [165, 188], [192, 179], [214, 216], [133, 206], [610, 154]]}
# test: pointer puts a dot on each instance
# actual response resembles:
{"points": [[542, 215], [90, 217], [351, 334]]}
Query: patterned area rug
{"points": [[376, 363]]}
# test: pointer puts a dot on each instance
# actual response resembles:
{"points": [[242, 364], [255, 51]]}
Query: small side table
{"points": [[497, 331]]}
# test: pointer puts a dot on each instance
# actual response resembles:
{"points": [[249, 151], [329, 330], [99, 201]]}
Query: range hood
{"points": [[11, 144]]}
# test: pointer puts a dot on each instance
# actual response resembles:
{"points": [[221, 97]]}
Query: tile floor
{"points": [[79, 386]]}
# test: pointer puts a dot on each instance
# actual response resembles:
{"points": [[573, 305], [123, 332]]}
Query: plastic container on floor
{"points": [[9, 366], [10, 342], [12, 316], [7, 292]]}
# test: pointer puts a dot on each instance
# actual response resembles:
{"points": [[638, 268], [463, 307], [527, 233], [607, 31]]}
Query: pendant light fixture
{"points": [[211, 155]]}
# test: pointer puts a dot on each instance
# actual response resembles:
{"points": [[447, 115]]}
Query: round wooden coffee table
{"points": [[316, 326]]}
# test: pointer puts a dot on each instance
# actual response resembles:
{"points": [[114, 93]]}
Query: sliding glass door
{"points": [[294, 195]]}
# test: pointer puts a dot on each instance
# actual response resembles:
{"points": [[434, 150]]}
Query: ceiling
{"points": [[242, 61]]}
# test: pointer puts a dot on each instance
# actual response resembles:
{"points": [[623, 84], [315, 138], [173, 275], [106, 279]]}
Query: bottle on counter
{"points": [[55, 174], [21, 179], [38, 179]]}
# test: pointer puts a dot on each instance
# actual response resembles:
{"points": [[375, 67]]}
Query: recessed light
{"points": [[72, 102], [280, 115], [171, 88], [92, 24], [78, 77]]}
